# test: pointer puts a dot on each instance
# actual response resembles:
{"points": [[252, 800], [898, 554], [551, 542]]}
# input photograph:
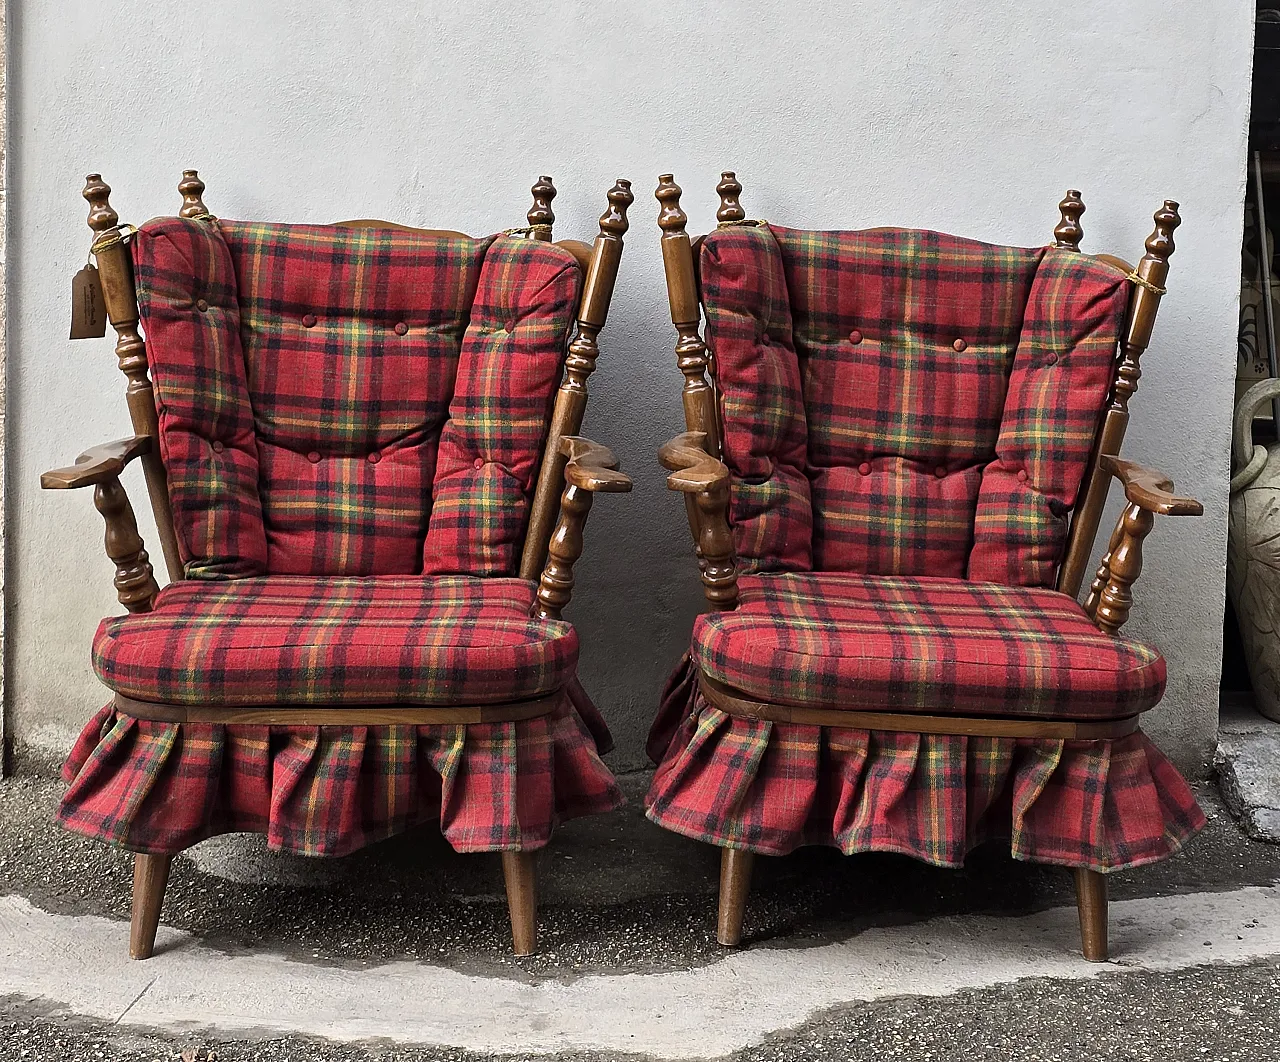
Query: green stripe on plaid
{"points": [[508, 372], [772, 787], [945, 646], [286, 640], [162, 787]]}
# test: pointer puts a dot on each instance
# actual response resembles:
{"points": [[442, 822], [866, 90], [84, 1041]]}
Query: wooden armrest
{"points": [[98, 464], [692, 468], [1148, 489], [592, 466]]}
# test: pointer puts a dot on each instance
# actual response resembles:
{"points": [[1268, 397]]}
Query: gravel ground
{"points": [[1218, 1013]]}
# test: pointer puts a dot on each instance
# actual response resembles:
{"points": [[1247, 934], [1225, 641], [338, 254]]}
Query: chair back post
{"points": [[540, 216], [580, 363], [115, 270], [700, 412], [191, 188], [1148, 282]]}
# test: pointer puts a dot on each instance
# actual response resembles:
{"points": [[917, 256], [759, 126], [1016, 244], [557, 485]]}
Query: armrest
{"points": [[98, 464], [704, 481], [592, 466], [692, 468], [1148, 489]]}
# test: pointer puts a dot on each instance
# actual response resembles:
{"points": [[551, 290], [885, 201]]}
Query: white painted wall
{"points": [[971, 116]]}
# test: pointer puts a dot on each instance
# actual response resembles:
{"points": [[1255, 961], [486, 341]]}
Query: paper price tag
{"points": [[88, 309]]}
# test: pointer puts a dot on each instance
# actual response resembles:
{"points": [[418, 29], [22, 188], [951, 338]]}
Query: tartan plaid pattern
{"points": [[942, 646], [351, 340], [161, 787], [197, 370], [1057, 391], [772, 787], [508, 372], [901, 423], [748, 325], [284, 640]]}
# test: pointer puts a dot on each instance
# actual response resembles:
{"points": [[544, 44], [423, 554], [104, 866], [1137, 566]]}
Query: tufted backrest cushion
{"points": [[906, 402], [305, 375]]}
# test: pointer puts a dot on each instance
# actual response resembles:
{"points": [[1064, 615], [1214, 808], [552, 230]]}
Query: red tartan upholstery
{"points": [[938, 646], [298, 640], [883, 390], [305, 379]]}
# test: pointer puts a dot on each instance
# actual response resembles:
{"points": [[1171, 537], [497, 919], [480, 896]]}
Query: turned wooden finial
{"points": [[540, 213], [191, 188], [671, 219], [1160, 243], [614, 220], [97, 192], [729, 189], [1069, 232]]}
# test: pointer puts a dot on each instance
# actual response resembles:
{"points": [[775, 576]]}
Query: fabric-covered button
{"points": [[201, 305], [940, 471], [865, 468], [375, 457], [855, 337], [1052, 359], [401, 328], [478, 463], [217, 446], [309, 320], [313, 457], [959, 345], [1022, 475]]}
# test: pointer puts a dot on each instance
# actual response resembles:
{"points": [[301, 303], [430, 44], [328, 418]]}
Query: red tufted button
{"points": [[1022, 475], [217, 446], [940, 471], [959, 345], [855, 337], [401, 328], [478, 463], [313, 457], [865, 468], [1052, 359], [309, 320], [375, 457], [201, 305]]}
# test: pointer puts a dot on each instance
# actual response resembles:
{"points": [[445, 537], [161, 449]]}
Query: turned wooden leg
{"points": [[735, 883], [150, 875], [522, 900], [1091, 899]]}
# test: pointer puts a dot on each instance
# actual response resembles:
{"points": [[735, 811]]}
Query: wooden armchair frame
{"points": [[553, 540], [694, 460]]}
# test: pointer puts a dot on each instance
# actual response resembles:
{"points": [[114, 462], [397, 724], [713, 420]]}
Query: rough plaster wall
{"points": [[968, 115]]}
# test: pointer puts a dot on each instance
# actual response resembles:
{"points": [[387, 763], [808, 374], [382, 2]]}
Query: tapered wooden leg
{"points": [[735, 883], [522, 900], [150, 876], [1091, 899]]}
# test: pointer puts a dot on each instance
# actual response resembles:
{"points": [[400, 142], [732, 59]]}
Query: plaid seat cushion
{"points": [[940, 646], [337, 641]]}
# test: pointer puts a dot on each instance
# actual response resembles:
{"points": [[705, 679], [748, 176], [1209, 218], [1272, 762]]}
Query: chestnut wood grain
{"points": [[705, 480], [1068, 233], [97, 464], [540, 216], [1149, 489], [519, 871], [1091, 902], [735, 884], [150, 876], [191, 188]]}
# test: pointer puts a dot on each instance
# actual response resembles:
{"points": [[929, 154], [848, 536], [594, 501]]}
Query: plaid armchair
{"points": [[895, 475], [355, 439]]}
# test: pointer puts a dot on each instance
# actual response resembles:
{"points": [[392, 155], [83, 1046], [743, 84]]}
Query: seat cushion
{"points": [[300, 640], [940, 646]]}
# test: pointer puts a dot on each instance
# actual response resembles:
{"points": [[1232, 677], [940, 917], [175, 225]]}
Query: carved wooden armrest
{"points": [[1149, 493], [590, 468], [704, 481], [97, 464], [100, 468]]}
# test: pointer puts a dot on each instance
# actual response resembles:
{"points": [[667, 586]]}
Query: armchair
{"points": [[360, 446], [898, 451]]}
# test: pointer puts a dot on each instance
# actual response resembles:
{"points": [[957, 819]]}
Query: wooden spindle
{"points": [[1148, 287], [115, 270], [682, 294], [191, 188], [729, 189], [135, 581], [580, 363], [1124, 567], [540, 216], [1068, 233], [555, 588]]}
